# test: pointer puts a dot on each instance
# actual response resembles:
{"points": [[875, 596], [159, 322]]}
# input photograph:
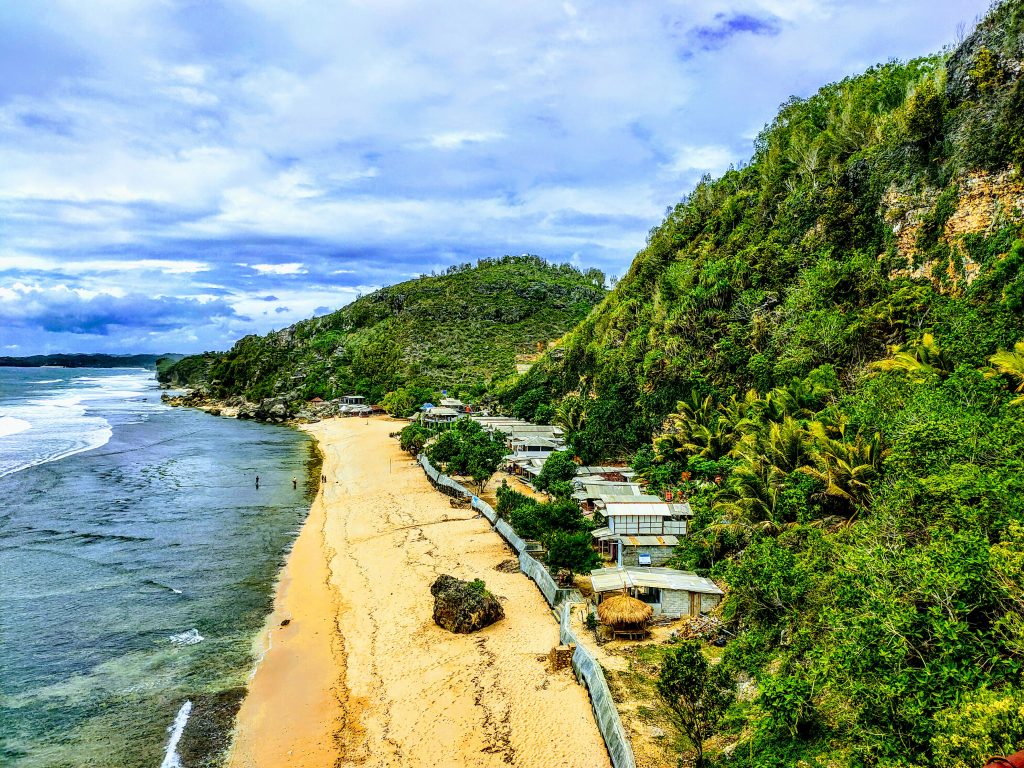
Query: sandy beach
{"points": [[360, 674]]}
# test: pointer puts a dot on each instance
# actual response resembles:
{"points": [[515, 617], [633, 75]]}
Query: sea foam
{"points": [[171, 757], [66, 420], [189, 637], [12, 426]]}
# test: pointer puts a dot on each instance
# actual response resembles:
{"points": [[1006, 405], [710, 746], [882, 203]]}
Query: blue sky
{"points": [[174, 175]]}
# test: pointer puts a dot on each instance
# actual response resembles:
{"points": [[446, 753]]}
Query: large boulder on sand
{"points": [[464, 606]]}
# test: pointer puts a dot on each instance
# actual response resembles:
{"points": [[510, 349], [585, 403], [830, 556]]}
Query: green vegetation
{"points": [[696, 692], [159, 362], [573, 552], [558, 524], [404, 401], [841, 404], [559, 468], [414, 437], [466, 449], [457, 331]]}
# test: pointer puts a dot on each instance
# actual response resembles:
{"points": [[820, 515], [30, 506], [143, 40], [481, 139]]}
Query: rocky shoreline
{"points": [[271, 410]]}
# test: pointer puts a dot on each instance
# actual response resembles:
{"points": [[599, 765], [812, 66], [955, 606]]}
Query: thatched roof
{"points": [[620, 610]]}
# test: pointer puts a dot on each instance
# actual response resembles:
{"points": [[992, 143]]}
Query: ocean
{"points": [[137, 565]]}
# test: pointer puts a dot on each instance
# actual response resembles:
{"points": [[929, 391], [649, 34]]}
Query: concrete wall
{"points": [[675, 603], [589, 672], [708, 602], [659, 554]]}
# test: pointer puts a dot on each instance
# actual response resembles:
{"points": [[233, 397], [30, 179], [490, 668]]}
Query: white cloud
{"points": [[315, 140], [293, 268], [456, 139]]}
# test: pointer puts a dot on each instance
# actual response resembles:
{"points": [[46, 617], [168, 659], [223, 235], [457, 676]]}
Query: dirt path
{"points": [[362, 676]]}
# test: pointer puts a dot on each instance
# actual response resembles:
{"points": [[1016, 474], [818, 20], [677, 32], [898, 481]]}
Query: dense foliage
{"points": [[557, 524], [457, 330], [468, 450], [696, 692], [824, 352]]}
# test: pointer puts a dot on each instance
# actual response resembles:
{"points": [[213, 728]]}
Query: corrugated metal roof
{"points": [[614, 579], [645, 509], [546, 442], [436, 411], [631, 499], [648, 540]]}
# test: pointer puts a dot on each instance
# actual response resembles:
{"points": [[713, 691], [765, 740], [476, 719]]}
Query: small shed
{"points": [[625, 615], [669, 592]]}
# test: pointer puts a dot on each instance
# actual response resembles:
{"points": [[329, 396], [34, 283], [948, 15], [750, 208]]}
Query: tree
{"points": [[571, 551], [1012, 364], [414, 437], [399, 403], [697, 693], [468, 450], [558, 468], [919, 360]]}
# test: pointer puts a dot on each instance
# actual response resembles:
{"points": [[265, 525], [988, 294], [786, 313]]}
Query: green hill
{"points": [[823, 351], [458, 330], [86, 360]]}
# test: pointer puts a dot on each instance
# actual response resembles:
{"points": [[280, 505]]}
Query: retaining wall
{"points": [[589, 672]]}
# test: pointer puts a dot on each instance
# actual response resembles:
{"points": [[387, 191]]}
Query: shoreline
{"points": [[353, 670]]}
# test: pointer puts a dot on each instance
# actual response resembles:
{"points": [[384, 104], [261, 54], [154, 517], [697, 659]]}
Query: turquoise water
{"points": [[137, 561]]}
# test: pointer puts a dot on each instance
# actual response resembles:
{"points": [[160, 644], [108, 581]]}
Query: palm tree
{"points": [[676, 432], [1012, 364], [920, 360], [571, 413], [846, 468]]}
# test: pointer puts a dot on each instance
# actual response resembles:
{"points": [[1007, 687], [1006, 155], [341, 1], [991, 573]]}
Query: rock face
{"points": [[463, 606]]}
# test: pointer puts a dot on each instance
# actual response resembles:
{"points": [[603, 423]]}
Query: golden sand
{"points": [[361, 675]]}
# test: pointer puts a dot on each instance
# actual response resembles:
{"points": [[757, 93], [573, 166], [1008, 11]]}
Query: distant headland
{"points": [[73, 360]]}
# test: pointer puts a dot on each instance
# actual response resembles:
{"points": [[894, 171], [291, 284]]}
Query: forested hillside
{"points": [[457, 330], [823, 351]]}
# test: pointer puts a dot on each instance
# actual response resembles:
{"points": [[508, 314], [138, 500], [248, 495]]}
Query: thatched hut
{"points": [[625, 615]]}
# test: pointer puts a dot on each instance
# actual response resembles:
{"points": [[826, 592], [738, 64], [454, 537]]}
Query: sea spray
{"points": [[188, 637], [176, 729]]}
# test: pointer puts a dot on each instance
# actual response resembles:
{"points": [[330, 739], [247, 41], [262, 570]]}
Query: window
{"points": [[650, 526]]}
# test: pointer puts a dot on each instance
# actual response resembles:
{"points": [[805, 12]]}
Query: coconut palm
{"points": [[1012, 364], [920, 360], [571, 413], [846, 468]]}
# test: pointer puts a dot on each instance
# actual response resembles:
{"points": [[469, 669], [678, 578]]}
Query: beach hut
{"points": [[626, 615]]}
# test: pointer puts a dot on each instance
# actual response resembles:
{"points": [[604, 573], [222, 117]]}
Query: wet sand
{"points": [[361, 675]]}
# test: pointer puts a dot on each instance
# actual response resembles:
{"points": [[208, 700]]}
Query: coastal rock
{"points": [[246, 411], [464, 606]]}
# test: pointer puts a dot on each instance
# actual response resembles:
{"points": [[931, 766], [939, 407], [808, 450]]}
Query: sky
{"points": [[175, 175]]}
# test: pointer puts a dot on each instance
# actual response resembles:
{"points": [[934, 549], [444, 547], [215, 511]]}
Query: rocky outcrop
{"points": [[984, 202], [464, 606]]}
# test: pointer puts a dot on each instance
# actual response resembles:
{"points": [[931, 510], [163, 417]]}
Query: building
{"points": [[439, 416], [641, 530], [592, 495], [456, 405], [611, 474], [669, 592], [353, 400]]}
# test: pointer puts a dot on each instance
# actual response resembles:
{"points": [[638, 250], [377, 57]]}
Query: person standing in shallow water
{"points": [[295, 484], [257, 482]]}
